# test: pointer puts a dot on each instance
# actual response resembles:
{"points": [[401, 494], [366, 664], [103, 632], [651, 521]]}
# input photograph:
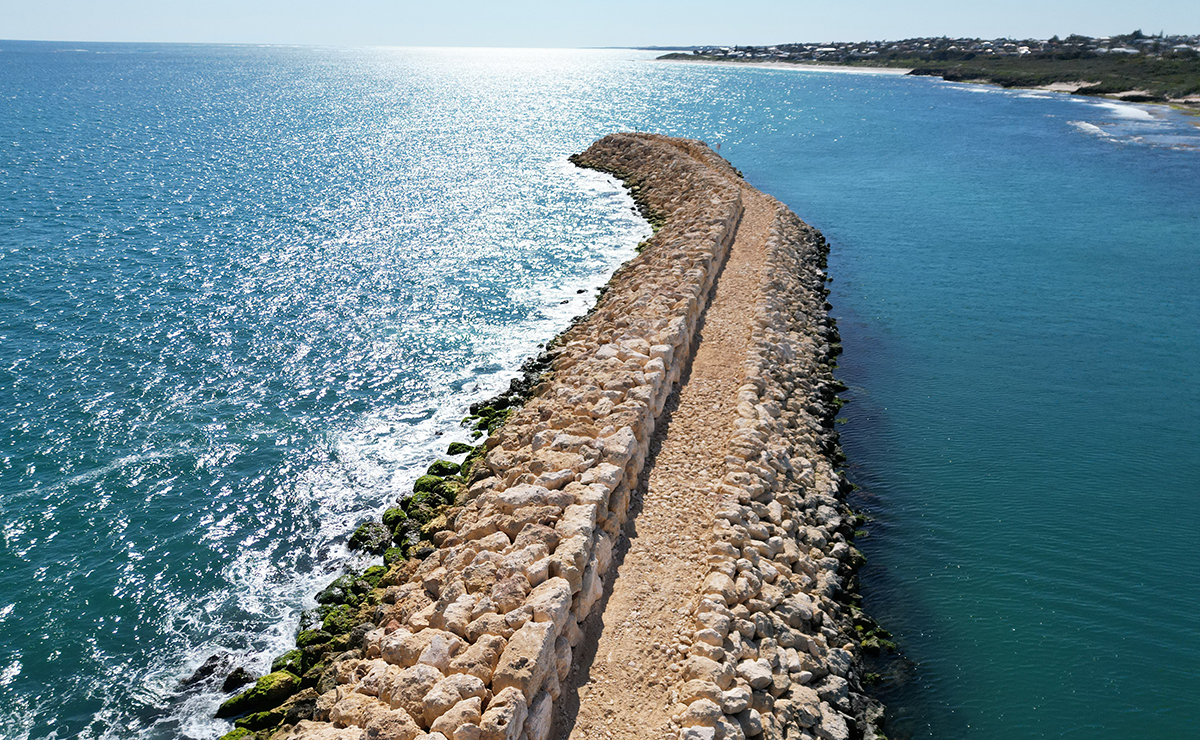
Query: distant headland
{"points": [[1132, 67]]}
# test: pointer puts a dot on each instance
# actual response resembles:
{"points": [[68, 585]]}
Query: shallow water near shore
{"points": [[245, 294]]}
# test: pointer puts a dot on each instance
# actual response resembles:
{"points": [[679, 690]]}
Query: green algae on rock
{"points": [[289, 661], [338, 620], [443, 468], [267, 692], [427, 483], [312, 637], [372, 537]]}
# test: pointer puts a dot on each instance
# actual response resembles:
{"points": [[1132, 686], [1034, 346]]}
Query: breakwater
{"points": [[476, 634]]}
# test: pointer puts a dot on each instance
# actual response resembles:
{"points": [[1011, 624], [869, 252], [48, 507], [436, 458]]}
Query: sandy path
{"points": [[663, 552]]}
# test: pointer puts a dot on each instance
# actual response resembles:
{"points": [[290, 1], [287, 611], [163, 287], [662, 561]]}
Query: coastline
{"points": [[801, 66], [1190, 105], [472, 628]]}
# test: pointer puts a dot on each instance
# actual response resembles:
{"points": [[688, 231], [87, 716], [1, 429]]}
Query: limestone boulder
{"points": [[394, 724], [551, 602], [839, 661], [466, 712], [833, 725], [540, 718], [309, 730], [405, 649], [480, 659], [757, 673], [354, 709], [505, 716], [735, 700], [703, 712], [526, 659], [409, 688], [699, 689], [706, 669], [450, 691], [806, 704]]}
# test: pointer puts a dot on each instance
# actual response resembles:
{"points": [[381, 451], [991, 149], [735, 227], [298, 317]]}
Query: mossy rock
{"points": [[340, 645], [268, 692], [393, 555], [408, 532], [371, 537], [339, 620], [876, 644], [443, 468], [312, 676], [423, 506], [238, 678], [393, 516], [327, 680], [260, 720], [433, 526], [341, 591], [313, 655], [312, 637], [372, 575], [290, 662], [471, 468], [458, 448], [240, 733], [310, 619], [403, 526], [452, 489], [426, 484], [857, 559], [498, 420], [421, 550], [301, 706]]}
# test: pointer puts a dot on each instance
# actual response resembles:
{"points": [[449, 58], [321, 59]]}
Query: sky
{"points": [[578, 23]]}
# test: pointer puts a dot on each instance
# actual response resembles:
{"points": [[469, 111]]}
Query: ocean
{"points": [[246, 293]]}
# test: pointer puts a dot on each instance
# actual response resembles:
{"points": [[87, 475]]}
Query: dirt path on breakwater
{"points": [[664, 546]]}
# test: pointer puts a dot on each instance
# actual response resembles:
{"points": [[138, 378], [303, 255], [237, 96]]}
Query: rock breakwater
{"points": [[477, 638]]}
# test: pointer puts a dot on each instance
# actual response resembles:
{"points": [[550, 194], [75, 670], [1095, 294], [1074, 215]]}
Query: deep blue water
{"points": [[246, 292]]}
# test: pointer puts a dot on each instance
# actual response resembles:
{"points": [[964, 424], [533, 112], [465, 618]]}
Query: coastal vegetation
{"points": [[1133, 67], [1133, 78]]}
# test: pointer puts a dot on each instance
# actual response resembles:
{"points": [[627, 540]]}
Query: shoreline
{"points": [[801, 66], [476, 626], [1190, 105]]}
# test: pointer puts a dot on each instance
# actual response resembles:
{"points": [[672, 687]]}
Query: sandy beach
{"points": [[809, 67]]}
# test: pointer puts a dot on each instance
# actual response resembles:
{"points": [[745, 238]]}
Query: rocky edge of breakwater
{"points": [[469, 630]]}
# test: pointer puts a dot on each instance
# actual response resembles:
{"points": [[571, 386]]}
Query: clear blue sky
{"points": [[566, 23]]}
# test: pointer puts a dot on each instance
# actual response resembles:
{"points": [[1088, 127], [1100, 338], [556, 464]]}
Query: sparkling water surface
{"points": [[245, 294]]}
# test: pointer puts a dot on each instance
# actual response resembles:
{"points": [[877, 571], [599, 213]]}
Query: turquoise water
{"points": [[246, 292]]}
